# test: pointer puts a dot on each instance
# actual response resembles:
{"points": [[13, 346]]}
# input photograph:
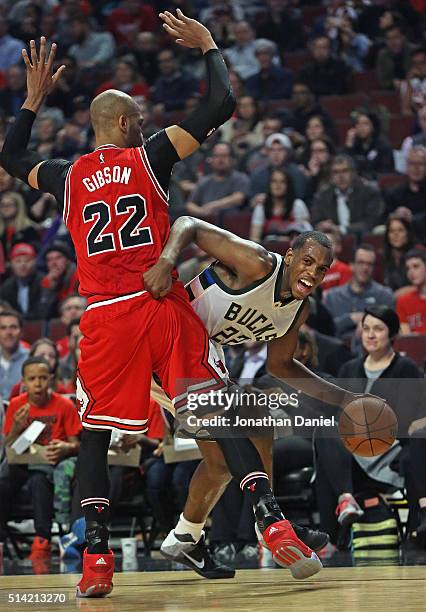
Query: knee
{"points": [[218, 471]]}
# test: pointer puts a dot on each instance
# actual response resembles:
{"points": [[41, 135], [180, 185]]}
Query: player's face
{"points": [[375, 335], [306, 268], [37, 380], [134, 135]]}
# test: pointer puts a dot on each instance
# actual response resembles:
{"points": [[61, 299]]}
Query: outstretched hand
{"points": [[187, 32], [40, 76]]}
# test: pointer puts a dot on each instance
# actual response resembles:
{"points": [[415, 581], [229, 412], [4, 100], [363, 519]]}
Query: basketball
{"points": [[368, 426]]}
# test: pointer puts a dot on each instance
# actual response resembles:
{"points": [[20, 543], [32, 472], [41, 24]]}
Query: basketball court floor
{"points": [[398, 584]]}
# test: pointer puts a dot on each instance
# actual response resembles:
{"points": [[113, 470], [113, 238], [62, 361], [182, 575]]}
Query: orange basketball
{"points": [[368, 426]]}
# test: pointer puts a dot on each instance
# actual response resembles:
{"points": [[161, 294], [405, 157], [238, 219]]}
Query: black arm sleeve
{"points": [[15, 158], [162, 156], [218, 102], [18, 161]]}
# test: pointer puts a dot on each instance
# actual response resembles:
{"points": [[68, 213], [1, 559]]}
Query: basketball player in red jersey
{"points": [[114, 203]]}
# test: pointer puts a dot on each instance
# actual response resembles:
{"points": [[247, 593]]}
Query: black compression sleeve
{"points": [[162, 156], [15, 158], [217, 104]]}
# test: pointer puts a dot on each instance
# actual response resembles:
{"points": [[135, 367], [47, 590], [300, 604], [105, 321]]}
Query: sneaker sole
{"points": [[210, 575], [290, 557], [101, 589], [348, 519]]}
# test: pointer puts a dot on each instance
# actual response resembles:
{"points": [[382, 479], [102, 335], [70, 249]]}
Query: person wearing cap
{"points": [[23, 288], [387, 374], [61, 278], [278, 149], [271, 82]]}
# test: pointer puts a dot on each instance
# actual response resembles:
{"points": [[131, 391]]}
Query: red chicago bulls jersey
{"points": [[117, 215]]}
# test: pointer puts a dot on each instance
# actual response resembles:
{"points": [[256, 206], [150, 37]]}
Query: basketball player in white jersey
{"points": [[248, 293]]}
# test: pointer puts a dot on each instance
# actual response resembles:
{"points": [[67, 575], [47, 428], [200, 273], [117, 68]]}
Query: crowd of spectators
{"points": [[329, 133]]}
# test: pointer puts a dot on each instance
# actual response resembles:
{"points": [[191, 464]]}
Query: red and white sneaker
{"points": [[290, 552], [348, 510], [97, 575]]}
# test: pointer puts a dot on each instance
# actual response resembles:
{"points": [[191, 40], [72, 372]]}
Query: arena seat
{"points": [[348, 248], [340, 107], [342, 127], [296, 61], [311, 13], [365, 81], [56, 330], [376, 240], [238, 222], [390, 99], [33, 330], [277, 246], [390, 180], [413, 346], [400, 127]]}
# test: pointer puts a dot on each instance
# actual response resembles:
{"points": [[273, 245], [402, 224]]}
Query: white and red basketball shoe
{"points": [[98, 570]]}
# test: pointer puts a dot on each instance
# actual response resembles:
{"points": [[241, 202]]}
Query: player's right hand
{"points": [[158, 280]]}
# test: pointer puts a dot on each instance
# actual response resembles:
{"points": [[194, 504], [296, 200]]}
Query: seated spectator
{"points": [[371, 153], [68, 365], [399, 239], [340, 474], [144, 48], [283, 25], [393, 62], [409, 197], [347, 303], [279, 209], [325, 75], [242, 55], [413, 88], [418, 139], [130, 17], [72, 307], [10, 47], [348, 203], [304, 106], [258, 157], [220, 19], [411, 307], [244, 127], [15, 225], [223, 189], [90, 49], [271, 82], [317, 159], [23, 288], [13, 95], [12, 354], [351, 46], [60, 436], [45, 348], [278, 149], [68, 87], [339, 272], [173, 86], [126, 78], [62, 277]]}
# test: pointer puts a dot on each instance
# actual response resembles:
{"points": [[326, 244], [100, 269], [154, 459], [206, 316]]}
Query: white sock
{"points": [[184, 526]]}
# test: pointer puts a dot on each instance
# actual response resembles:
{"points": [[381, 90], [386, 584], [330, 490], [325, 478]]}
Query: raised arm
{"points": [[15, 157], [248, 261], [218, 102]]}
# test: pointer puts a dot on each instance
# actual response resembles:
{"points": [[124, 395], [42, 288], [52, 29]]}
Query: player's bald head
{"points": [[107, 107], [115, 113]]}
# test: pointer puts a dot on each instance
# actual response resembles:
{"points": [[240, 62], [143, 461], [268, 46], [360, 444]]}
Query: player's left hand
{"points": [[158, 280]]}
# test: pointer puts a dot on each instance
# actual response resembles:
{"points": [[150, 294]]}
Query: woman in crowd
{"points": [[279, 210], [126, 78], [372, 154], [316, 164], [244, 130], [15, 226], [399, 239]]}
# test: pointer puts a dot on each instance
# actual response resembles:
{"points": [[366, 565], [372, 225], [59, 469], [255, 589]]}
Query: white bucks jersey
{"points": [[234, 316]]}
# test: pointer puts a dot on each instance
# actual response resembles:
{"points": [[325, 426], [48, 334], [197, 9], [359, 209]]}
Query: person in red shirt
{"points": [[131, 17], [60, 436], [339, 272], [411, 307]]}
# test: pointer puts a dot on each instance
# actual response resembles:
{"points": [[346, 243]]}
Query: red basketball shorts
{"points": [[126, 340]]}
